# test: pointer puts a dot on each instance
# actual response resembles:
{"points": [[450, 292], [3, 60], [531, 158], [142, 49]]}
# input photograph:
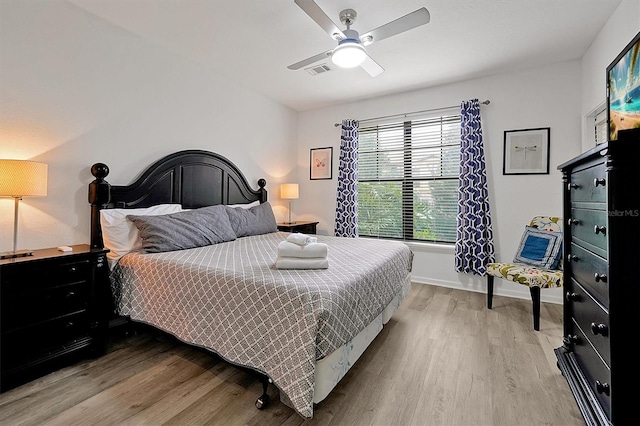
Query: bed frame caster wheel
{"points": [[262, 402]]}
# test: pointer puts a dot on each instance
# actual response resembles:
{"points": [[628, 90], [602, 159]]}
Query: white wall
{"points": [[619, 30], [76, 90], [542, 97]]}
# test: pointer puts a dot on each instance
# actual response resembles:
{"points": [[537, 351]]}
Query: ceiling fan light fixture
{"points": [[348, 54]]}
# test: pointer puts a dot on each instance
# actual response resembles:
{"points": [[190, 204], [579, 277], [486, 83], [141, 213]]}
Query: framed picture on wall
{"points": [[321, 163], [526, 152]]}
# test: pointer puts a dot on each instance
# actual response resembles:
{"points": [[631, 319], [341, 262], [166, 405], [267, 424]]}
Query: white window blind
{"points": [[408, 179], [600, 127]]}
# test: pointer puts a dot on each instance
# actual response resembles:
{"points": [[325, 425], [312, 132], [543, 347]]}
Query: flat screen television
{"points": [[623, 90]]}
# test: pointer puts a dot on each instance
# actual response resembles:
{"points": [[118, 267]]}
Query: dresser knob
{"points": [[571, 221], [600, 329], [603, 387], [571, 339], [69, 324], [70, 294], [72, 269], [597, 182], [573, 186], [600, 229], [571, 297], [598, 278], [572, 258]]}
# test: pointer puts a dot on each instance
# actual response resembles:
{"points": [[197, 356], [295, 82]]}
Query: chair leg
{"points": [[535, 298], [489, 291]]}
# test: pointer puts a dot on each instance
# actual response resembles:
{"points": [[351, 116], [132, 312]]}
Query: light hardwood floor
{"points": [[443, 359]]}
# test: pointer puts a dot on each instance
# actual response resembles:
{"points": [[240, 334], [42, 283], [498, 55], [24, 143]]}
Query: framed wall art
{"points": [[321, 163], [526, 152]]}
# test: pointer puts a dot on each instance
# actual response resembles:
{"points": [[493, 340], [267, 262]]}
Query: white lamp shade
{"points": [[20, 178], [348, 55], [289, 191]]}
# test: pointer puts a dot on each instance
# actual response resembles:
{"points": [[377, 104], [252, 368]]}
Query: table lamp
{"points": [[289, 191], [21, 178]]}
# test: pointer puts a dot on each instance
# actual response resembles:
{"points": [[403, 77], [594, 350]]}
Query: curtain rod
{"points": [[486, 102]]}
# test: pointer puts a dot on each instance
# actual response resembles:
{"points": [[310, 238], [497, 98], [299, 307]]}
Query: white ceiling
{"points": [[252, 42]]}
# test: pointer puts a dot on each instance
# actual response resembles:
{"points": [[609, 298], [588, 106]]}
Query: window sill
{"points": [[430, 247]]}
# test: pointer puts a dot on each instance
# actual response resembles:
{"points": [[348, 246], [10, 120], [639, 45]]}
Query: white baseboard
{"points": [[548, 296]]}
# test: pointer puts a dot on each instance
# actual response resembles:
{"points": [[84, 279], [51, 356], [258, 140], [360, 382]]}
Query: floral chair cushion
{"points": [[530, 275], [527, 275], [547, 223]]}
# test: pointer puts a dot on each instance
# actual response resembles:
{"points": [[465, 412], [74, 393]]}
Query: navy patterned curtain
{"points": [[347, 199], [474, 242]]}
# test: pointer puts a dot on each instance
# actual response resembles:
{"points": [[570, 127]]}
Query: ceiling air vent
{"points": [[318, 69]]}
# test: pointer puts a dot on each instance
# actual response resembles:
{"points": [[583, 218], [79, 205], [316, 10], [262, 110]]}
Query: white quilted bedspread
{"points": [[230, 299]]}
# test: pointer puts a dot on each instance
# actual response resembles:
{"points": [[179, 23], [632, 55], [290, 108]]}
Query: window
{"points": [[600, 127], [408, 179]]}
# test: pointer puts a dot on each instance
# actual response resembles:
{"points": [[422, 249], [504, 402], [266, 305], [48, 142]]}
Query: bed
{"points": [[299, 329]]}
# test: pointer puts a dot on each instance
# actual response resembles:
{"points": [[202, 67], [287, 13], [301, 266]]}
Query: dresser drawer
{"points": [[18, 310], [589, 184], [590, 226], [591, 271], [591, 318], [595, 372]]}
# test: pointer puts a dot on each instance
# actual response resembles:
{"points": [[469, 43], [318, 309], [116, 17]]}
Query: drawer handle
{"points": [[573, 221], [70, 294], [571, 339], [573, 186], [597, 182], [598, 278], [72, 269], [600, 329], [69, 324], [600, 229], [571, 297], [572, 258], [603, 388]]}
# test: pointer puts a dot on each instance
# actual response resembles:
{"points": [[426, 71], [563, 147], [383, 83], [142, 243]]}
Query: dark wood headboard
{"points": [[192, 178]]}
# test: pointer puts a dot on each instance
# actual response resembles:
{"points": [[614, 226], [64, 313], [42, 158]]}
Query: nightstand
{"points": [[302, 227], [53, 309]]}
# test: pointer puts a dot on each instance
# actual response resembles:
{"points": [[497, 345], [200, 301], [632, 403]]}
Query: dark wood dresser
{"points": [[52, 311], [602, 280]]}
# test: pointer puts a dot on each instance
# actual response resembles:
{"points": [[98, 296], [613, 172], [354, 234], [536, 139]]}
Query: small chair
{"points": [[538, 263]]}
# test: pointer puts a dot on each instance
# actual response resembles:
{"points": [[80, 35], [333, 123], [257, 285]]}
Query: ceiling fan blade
{"points": [[311, 60], [371, 67], [313, 10], [400, 25]]}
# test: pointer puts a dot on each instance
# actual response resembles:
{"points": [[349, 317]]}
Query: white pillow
{"points": [[120, 235], [244, 206]]}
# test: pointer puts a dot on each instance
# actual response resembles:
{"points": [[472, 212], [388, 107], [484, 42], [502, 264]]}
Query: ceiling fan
{"points": [[351, 51]]}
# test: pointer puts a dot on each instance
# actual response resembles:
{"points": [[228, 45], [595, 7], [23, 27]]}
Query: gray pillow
{"points": [[253, 221], [183, 230]]}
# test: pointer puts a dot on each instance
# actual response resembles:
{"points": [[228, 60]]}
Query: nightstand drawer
{"points": [[591, 271], [302, 227], [26, 278], [42, 339], [18, 310], [591, 318]]}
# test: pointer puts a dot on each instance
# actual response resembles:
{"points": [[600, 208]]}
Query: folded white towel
{"points": [[287, 249], [299, 263], [301, 239]]}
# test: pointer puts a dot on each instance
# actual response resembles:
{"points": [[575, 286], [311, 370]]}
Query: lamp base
{"points": [[15, 253]]}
